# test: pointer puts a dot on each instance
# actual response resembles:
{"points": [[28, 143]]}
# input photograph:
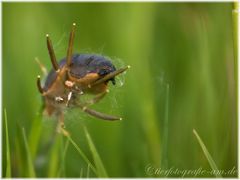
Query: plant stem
{"points": [[8, 169]]}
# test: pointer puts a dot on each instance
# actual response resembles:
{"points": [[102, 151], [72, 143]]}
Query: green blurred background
{"points": [[182, 77]]}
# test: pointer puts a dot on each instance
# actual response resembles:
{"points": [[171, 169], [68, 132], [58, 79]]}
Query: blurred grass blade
{"points": [[35, 135], [61, 172], [165, 132], [8, 168], [142, 72], [82, 154], [53, 163], [235, 30], [235, 17], [98, 162], [31, 171], [207, 154], [81, 173], [88, 171]]}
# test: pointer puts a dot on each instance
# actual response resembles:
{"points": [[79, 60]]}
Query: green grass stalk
{"points": [[235, 12], [31, 171], [61, 172], [53, 163], [165, 131], [207, 155], [82, 154], [81, 173], [235, 31], [88, 171], [8, 168], [97, 160], [35, 135]]}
